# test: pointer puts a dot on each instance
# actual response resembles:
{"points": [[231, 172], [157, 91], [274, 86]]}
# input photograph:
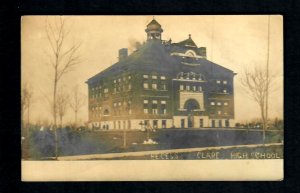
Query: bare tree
{"points": [[63, 56], [256, 84], [62, 104], [77, 101]]}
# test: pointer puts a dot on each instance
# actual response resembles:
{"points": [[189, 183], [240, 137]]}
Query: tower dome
{"points": [[154, 30]]}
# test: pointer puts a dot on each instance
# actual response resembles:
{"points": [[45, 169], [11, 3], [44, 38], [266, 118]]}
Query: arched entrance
{"points": [[190, 105]]}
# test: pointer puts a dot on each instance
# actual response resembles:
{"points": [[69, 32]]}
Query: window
{"points": [[106, 90], [115, 104], [194, 88], [163, 78], [145, 76], [164, 123], [200, 88], [226, 123], [146, 106], [218, 81], [154, 86], [225, 103], [220, 123], [219, 103], [224, 81], [154, 106], [119, 80], [224, 91], [120, 103], [181, 87], [163, 86], [155, 124], [219, 112], [212, 103], [154, 77], [115, 81], [187, 87], [129, 77], [124, 78], [163, 107], [145, 101], [129, 86], [213, 123], [145, 111], [201, 123], [146, 85]]}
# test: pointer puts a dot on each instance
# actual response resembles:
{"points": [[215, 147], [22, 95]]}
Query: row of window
{"points": [[119, 80], [190, 76], [219, 81], [154, 77], [213, 123], [190, 88], [218, 103], [154, 86], [153, 107]]}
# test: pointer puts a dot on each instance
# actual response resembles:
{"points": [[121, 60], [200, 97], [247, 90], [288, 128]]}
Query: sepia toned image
{"points": [[121, 92]]}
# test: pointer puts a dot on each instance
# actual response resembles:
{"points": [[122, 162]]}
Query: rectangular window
{"points": [[154, 77], [145, 101], [163, 86], [129, 124], [155, 124], [106, 90], [219, 112], [146, 76], [201, 123], [163, 107], [225, 103], [218, 81], [200, 88], [164, 123], [154, 106], [163, 78], [115, 81], [120, 103], [194, 88], [129, 86], [220, 123], [181, 87], [224, 91], [226, 123], [212, 103], [219, 103], [145, 111], [154, 86], [187, 87], [146, 85], [224, 81], [119, 80], [213, 123], [129, 77]]}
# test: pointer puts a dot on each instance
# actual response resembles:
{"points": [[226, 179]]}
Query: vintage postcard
{"points": [[117, 98]]}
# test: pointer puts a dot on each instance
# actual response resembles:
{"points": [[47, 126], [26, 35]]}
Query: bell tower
{"points": [[153, 30]]}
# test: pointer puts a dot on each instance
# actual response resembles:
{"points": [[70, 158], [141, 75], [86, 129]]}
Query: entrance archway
{"points": [[190, 105]]}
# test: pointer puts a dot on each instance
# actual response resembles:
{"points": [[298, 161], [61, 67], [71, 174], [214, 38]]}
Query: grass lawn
{"points": [[81, 143]]}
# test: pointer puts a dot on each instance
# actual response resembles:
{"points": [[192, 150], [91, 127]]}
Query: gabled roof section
{"points": [[187, 42]]}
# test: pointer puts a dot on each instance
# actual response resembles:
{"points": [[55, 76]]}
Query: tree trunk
{"points": [[76, 118], [54, 115], [262, 106]]}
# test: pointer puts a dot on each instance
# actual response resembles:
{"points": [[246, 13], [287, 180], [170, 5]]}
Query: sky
{"points": [[235, 42]]}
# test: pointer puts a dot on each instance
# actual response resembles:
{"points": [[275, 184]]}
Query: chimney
{"points": [[123, 53]]}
